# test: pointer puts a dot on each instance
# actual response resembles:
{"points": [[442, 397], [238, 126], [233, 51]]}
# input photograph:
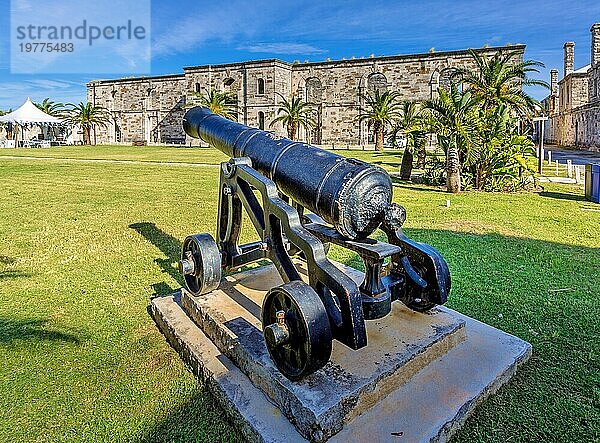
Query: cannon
{"points": [[301, 199]]}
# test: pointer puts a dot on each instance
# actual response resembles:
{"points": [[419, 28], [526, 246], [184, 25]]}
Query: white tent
{"points": [[30, 115]]}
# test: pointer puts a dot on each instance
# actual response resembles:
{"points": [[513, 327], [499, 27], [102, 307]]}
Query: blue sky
{"points": [[187, 33]]}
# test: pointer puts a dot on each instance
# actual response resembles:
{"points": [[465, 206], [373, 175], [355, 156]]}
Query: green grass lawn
{"points": [[182, 154], [389, 160], [83, 247]]}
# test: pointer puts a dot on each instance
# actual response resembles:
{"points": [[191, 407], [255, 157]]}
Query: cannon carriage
{"points": [[300, 199]]}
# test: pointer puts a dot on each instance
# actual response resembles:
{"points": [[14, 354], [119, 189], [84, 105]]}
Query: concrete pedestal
{"points": [[420, 376]]}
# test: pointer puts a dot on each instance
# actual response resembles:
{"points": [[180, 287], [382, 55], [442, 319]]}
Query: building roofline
{"points": [[414, 56], [358, 60], [268, 61], [287, 65], [136, 79]]}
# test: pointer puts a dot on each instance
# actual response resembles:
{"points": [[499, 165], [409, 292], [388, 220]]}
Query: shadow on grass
{"points": [[161, 289], [562, 196], [5, 275], [13, 329], [196, 420], [384, 163], [168, 245], [391, 159], [397, 183]]}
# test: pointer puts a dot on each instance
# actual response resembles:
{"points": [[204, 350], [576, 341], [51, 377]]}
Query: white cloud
{"points": [[21, 6], [282, 48], [13, 94], [94, 55], [213, 22], [193, 32]]}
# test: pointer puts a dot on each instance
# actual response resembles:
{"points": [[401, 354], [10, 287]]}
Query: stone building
{"points": [[150, 109], [573, 105]]}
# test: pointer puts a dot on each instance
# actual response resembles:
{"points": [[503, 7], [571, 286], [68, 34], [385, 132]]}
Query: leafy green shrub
{"points": [[435, 172], [496, 156]]}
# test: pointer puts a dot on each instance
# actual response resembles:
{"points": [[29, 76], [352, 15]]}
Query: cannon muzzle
{"points": [[350, 194]]}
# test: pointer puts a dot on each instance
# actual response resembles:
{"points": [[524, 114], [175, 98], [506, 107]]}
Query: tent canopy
{"points": [[28, 115]]}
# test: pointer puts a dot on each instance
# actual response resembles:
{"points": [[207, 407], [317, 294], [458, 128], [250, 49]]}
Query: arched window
{"points": [[197, 88], [261, 86], [261, 120], [314, 90], [377, 82], [445, 80]]}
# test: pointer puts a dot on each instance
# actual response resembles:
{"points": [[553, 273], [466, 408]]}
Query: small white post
{"points": [[577, 174], [556, 167], [569, 169], [447, 203], [549, 158]]}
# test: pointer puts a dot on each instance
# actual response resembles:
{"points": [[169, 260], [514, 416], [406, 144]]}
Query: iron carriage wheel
{"points": [[415, 297], [419, 305], [296, 329], [200, 264]]}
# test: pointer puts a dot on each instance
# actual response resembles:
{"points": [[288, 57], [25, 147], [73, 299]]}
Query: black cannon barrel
{"points": [[348, 193]]}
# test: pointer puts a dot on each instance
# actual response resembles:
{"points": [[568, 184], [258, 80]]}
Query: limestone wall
{"points": [[144, 109], [151, 108], [415, 77], [580, 127], [574, 92], [577, 120]]}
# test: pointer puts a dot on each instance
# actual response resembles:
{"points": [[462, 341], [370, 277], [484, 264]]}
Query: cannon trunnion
{"points": [[300, 200]]}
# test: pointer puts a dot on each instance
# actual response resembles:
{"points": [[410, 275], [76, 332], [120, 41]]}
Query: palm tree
{"points": [[50, 107], [220, 103], [87, 116], [383, 108], [411, 124], [452, 117], [499, 80], [293, 114]]}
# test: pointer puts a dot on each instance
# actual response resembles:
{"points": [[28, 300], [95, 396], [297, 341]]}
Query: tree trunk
{"points": [[291, 130], [480, 182], [378, 136], [453, 170], [86, 135], [407, 164], [421, 153]]}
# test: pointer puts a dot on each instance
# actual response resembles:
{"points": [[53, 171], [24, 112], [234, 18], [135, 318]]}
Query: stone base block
{"points": [[420, 376], [399, 345]]}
